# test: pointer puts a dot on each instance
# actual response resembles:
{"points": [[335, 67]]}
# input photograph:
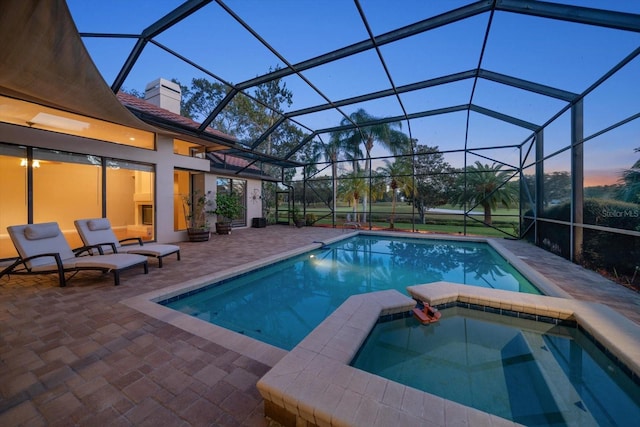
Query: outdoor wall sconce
{"points": [[256, 195]]}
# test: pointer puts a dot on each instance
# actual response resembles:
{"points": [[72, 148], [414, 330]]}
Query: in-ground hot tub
{"points": [[529, 371], [314, 382]]}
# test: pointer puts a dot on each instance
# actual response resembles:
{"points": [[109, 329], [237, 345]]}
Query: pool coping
{"points": [[314, 383], [148, 303], [270, 355], [543, 284]]}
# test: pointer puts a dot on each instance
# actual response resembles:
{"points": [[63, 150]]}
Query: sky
{"points": [[559, 54]]}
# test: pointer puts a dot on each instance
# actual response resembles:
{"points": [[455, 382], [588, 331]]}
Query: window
{"points": [[13, 196], [185, 148], [37, 116], [66, 187], [181, 189], [239, 188], [130, 198]]}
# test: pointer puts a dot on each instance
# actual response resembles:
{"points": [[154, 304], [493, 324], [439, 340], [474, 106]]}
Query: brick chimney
{"points": [[164, 94]]}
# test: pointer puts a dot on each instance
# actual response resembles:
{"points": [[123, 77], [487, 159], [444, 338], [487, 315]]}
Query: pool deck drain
{"points": [[77, 355]]}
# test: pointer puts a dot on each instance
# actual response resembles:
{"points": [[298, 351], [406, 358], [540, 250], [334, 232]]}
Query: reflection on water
{"points": [[282, 303], [530, 372]]}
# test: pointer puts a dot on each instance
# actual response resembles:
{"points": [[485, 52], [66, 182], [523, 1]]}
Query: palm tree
{"points": [[387, 134], [331, 151], [377, 186], [352, 188], [399, 177], [487, 186]]}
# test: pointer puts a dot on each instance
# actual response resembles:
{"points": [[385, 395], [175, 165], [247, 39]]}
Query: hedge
{"points": [[600, 249]]}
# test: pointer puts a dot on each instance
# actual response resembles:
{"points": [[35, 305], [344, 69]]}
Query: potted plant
{"points": [[227, 207], [298, 219], [310, 219], [197, 208]]}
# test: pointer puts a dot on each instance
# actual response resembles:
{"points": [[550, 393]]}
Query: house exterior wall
{"points": [[163, 159], [254, 206]]}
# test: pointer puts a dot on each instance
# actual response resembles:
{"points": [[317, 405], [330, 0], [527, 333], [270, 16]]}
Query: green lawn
{"points": [[503, 219]]}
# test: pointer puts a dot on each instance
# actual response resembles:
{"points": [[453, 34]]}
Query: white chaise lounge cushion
{"points": [[98, 224], [44, 238], [36, 239], [41, 231], [97, 231], [112, 261], [152, 249]]}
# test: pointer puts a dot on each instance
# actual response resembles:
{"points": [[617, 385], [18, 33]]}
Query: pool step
{"points": [[566, 397]]}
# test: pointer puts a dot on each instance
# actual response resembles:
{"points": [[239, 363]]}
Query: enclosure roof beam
{"points": [[300, 145], [438, 111], [173, 17], [528, 85], [435, 112], [451, 78], [504, 117], [455, 15], [578, 14], [228, 97], [268, 132], [387, 92]]}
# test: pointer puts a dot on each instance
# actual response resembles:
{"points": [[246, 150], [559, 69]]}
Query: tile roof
{"points": [[140, 104], [218, 160], [227, 162]]}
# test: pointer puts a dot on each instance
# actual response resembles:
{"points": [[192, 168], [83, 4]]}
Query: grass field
{"points": [[505, 220]]}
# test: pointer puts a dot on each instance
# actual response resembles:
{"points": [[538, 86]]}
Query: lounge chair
{"points": [[44, 250], [98, 231]]}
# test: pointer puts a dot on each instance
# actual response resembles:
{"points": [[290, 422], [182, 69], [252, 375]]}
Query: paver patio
{"points": [[76, 355]]}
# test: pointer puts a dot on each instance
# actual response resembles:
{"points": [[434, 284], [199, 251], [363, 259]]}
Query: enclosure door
{"points": [[283, 207]]}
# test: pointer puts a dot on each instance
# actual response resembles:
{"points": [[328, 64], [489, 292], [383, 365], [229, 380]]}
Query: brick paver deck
{"points": [[77, 356]]}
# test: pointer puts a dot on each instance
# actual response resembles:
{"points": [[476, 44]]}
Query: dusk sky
{"points": [[560, 54]]}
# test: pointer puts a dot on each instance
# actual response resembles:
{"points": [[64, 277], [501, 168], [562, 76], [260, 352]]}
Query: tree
{"points": [[330, 152], [399, 178], [246, 118], [434, 180], [487, 186], [271, 99], [133, 92], [200, 99], [387, 134], [557, 187], [351, 187], [630, 183]]}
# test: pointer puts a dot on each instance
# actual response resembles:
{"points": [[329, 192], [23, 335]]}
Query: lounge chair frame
{"points": [[158, 251], [21, 267]]}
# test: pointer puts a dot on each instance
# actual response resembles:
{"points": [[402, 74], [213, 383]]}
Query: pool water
{"points": [[533, 373], [280, 304]]}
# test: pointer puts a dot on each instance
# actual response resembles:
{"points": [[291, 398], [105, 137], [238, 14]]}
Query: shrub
{"points": [[310, 219], [600, 249]]}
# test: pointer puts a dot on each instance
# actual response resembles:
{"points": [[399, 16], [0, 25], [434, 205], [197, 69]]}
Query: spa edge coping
{"points": [[270, 355], [148, 303], [313, 384], [265, 353]]}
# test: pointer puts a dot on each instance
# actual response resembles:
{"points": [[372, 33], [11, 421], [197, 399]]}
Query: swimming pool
{"points": [[281, 303], [533, 373]]}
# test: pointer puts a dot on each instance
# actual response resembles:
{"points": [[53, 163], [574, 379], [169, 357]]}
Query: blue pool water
{"points": [[280, 304], [533, 373]]}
